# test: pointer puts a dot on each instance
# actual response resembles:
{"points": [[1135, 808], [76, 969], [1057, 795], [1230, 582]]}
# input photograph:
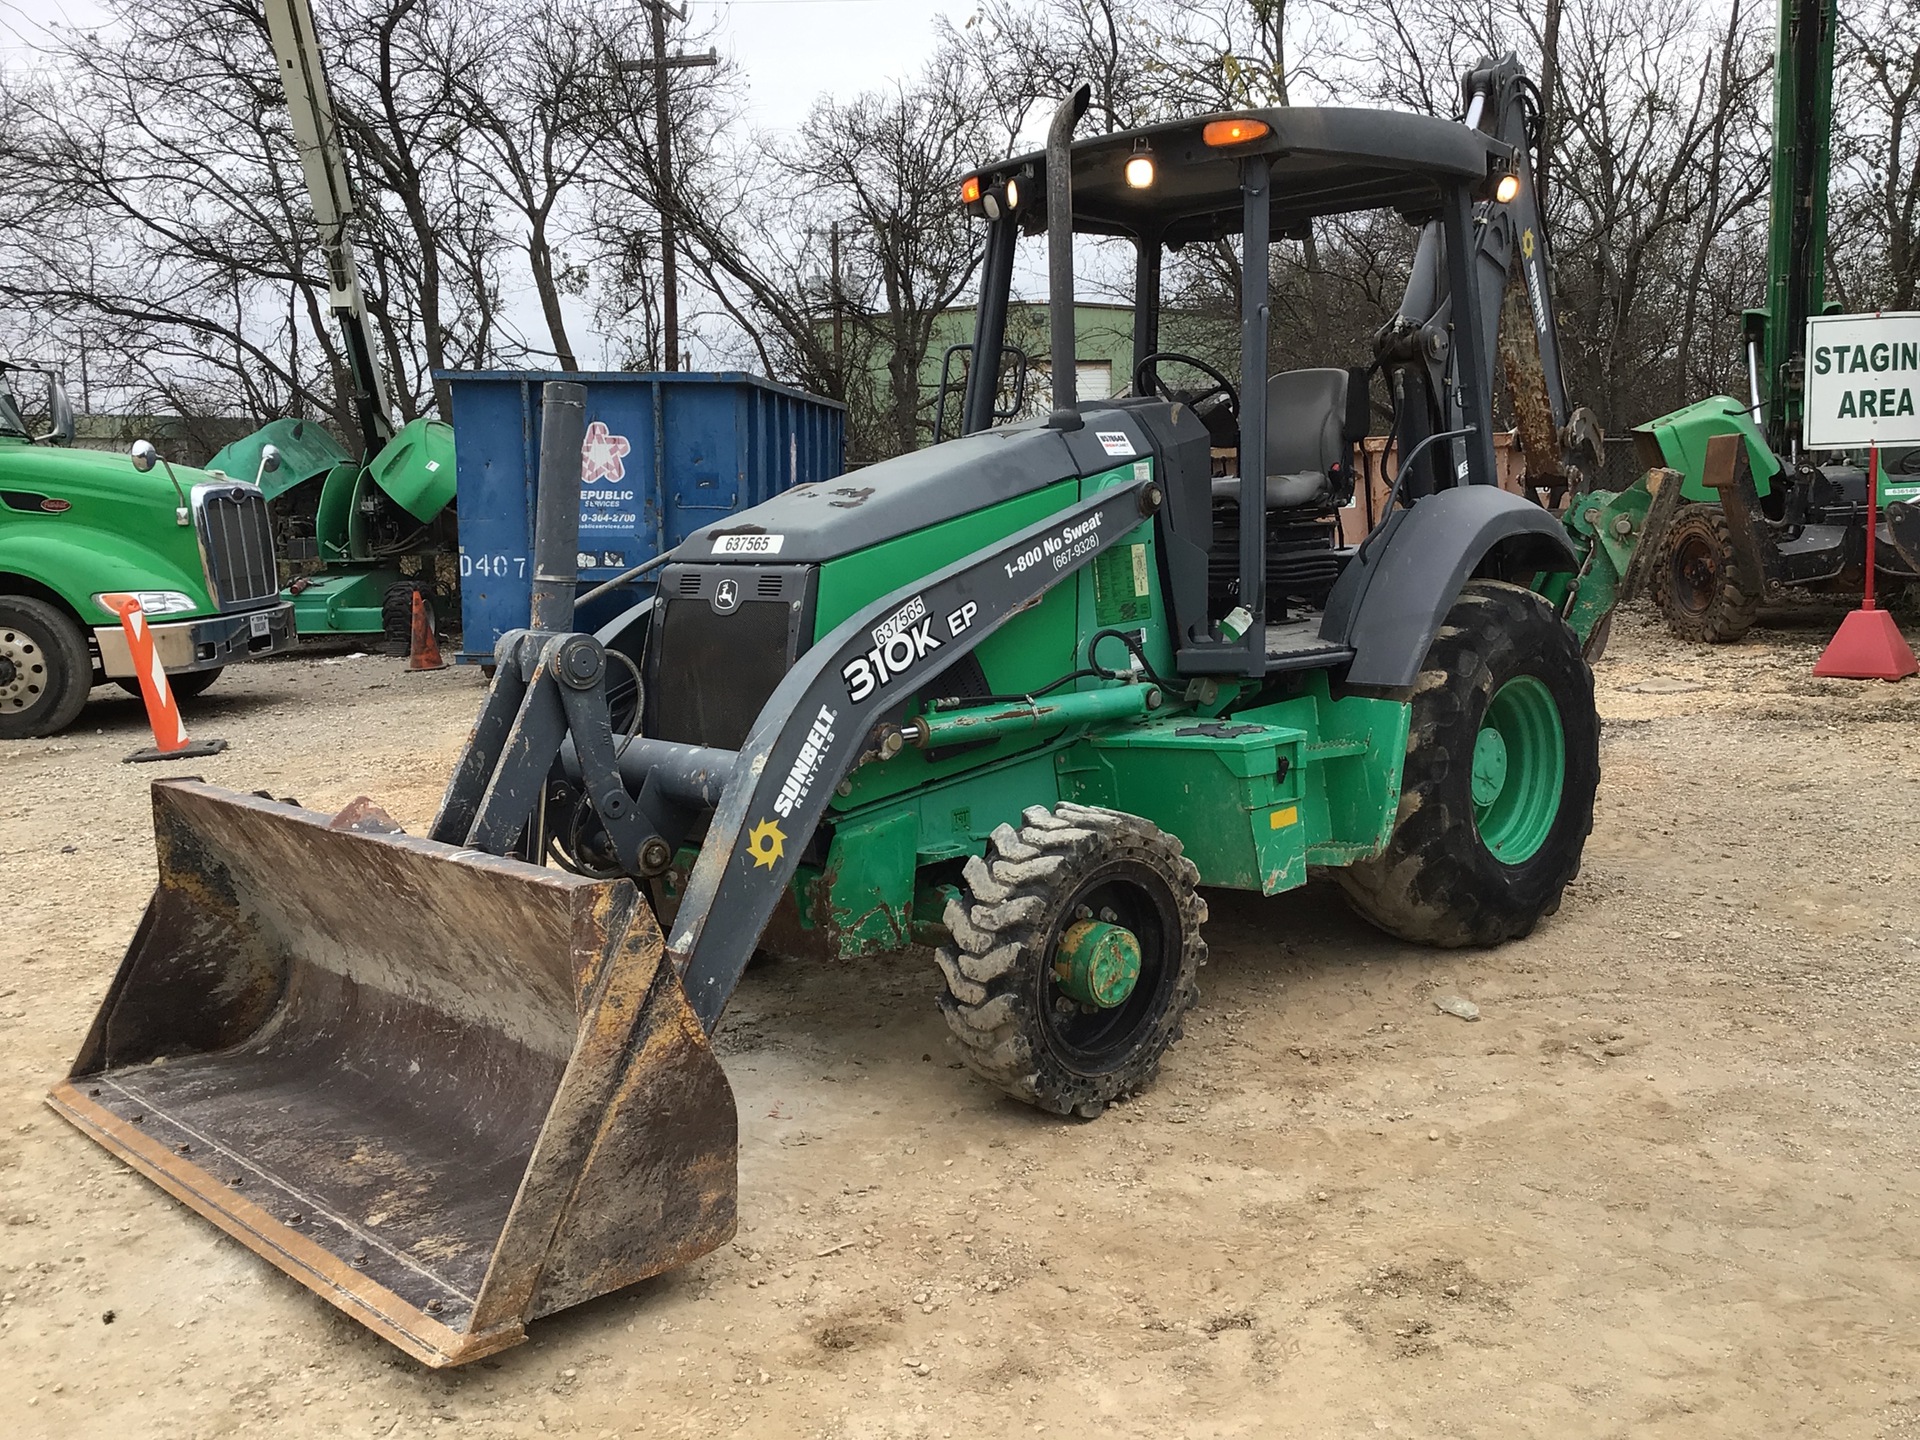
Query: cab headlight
{"points": [[152, 602]]}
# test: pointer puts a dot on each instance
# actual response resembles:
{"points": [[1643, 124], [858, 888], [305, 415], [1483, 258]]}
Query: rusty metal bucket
{"points": [[446, 1091]]}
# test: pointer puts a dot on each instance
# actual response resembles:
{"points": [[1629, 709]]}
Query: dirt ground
{"points": [[1663, 1186]]}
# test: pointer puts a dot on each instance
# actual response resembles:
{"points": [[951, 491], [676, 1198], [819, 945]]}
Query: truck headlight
{"points": [[152, 602]]}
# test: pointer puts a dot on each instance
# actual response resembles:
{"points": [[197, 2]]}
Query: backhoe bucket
{"points": [[446, 1091]]}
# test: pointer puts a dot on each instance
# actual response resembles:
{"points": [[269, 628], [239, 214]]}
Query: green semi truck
{"points": [[80, 529]]}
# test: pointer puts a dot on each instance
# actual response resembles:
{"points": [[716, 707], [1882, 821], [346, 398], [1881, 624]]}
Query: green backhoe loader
{"points": [[1017, 697]]}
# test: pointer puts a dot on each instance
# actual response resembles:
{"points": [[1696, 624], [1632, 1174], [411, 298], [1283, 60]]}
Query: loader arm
{"points": [[819, 723], [845, 683]]}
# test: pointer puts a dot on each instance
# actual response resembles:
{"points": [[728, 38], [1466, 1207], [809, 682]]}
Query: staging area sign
{"points": [[1863, 381]]}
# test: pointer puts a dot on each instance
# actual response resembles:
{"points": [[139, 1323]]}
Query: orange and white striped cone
{"points": [[170, 740]]}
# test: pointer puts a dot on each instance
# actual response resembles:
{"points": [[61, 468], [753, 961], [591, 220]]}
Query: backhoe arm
{"points": [[316, 134], [1515, 316], [1561, 442]]}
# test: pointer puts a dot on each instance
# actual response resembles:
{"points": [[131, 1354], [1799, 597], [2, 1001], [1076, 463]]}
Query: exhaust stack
{"points": [[1066, 389]]}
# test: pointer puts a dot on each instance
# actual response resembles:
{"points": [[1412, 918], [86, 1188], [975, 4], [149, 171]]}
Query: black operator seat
{"points": [[1307, 445]]}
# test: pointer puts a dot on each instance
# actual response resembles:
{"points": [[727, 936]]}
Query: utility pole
{"points": [[658, 66], [1549, 81], [839, 364]]}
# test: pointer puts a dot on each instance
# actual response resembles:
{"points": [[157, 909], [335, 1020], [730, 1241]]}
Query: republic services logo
{"points": [[601, 454]]}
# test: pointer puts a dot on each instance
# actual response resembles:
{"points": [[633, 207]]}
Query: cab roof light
{"points": [[1236, 131], [970, 190], [1139, 166]]}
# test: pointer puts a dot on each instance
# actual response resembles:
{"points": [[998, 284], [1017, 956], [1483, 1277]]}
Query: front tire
{"points": [[45, 670], [1066, 1036], [1496, 798], [1697, 582]]}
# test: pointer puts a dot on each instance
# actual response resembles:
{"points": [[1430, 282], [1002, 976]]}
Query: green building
{"points": [[1103, 352]]}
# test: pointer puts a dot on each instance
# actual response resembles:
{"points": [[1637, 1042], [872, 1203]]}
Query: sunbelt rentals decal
{"points": [[806, 765]]}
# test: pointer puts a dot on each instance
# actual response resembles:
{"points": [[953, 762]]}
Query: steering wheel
{"points": [[1221, 385]]}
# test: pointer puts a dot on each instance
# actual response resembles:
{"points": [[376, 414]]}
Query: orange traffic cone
{"points": [[424, 653], [170, 740], [1868, 645]]}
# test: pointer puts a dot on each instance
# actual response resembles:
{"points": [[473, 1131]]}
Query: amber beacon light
{"points": [[1237, 131]]}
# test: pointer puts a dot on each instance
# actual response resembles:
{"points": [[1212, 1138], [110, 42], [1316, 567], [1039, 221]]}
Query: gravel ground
{"points": [[1663, 1186]]}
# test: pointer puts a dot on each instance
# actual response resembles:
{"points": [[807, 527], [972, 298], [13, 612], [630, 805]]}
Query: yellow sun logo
{"points": [[766, 843]]}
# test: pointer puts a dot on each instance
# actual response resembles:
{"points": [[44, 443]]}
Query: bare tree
{"points": [[891, 162], [1876, 183], [533, 109], [511, 199]]}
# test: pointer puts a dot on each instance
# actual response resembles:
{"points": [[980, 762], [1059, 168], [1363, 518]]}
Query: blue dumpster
{"points": [[664, 455]]}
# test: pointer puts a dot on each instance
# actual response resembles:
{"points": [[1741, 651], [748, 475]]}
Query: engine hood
{"points": [[823, 521], [96, 475]]}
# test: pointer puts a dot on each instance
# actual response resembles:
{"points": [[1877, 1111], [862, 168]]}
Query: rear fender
{"points": [[1388, 606]]}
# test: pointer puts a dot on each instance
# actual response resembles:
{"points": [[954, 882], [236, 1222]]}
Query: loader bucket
{"points": [[446, 1091]]}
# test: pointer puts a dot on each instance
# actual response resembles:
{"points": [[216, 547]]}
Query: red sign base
{"points": [[1867, 646]]}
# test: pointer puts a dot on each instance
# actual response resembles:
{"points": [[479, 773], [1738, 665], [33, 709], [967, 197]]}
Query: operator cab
{"points": [[1270, 553]]}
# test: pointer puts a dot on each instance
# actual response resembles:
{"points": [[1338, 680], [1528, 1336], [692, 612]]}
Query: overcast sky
{"points": [[791, 50]]}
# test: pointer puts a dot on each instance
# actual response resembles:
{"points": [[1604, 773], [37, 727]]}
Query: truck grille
{"points": [[237, 544]]}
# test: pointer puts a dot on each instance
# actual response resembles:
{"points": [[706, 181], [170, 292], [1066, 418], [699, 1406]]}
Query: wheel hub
{"points": [[1489, 767], [23, 670], [1097, 963], [1694, 579], [1519, 770]]}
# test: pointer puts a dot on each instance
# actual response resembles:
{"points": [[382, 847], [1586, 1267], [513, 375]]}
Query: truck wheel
{"points": [[1496, 799], [1697, 581], [1074, 956], [185, 686], [45, 671]]}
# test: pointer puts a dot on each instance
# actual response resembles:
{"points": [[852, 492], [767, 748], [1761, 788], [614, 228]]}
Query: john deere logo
{"points": [[726, 596]]}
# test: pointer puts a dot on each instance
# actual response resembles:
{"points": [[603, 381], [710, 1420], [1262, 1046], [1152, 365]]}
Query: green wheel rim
{"points": [[1519, 770]]}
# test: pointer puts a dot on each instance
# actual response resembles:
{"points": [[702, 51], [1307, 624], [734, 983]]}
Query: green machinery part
{"points": [[1796, 206], [345, 592]]}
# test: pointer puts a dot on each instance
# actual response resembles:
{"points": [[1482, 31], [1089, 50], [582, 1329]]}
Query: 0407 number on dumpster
{"points": [[498, 567]]}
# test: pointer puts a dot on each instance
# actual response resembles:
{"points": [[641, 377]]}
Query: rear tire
{"points": [[1697, 581], [1016, 1025], [45, 670], [187, 685], [1490, 830]]}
